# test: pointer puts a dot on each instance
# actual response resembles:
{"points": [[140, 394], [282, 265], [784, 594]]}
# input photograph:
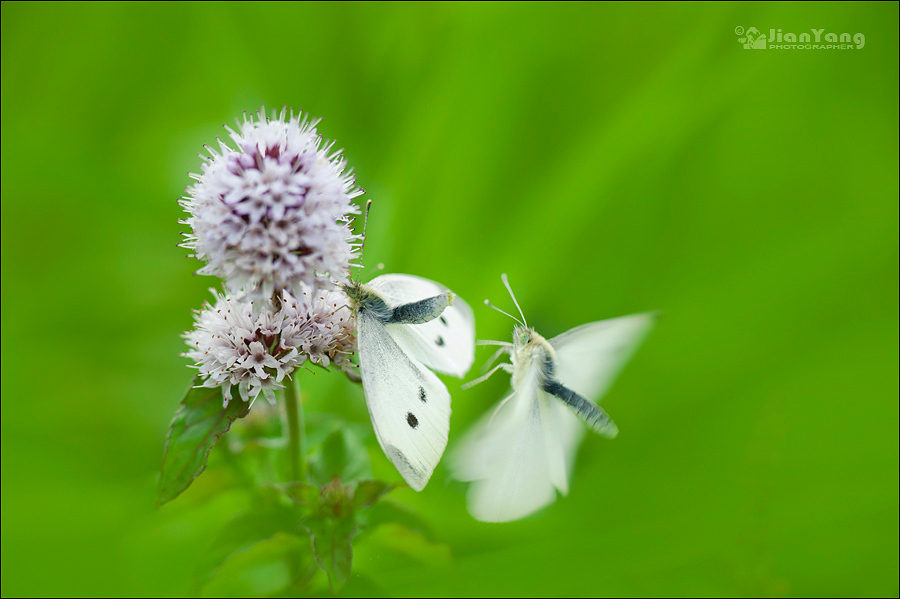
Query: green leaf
{"points": [[197, 426], [333, 457], [397, 539], [281, 566], [332, 549], [300, 493], [241, 533], [388, 512], [341, 454], [368, 492]]}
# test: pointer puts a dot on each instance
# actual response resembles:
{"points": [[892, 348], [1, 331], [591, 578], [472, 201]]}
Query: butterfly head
{"points": [[353, 289], [522, 336], [530, 354], [363, 297], [526, 339]]}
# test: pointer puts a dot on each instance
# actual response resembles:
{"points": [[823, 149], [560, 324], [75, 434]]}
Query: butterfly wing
{"points": [[409, 406], [517, 456], [447, 343], [588, 359], [514, 456], [590, 356]]}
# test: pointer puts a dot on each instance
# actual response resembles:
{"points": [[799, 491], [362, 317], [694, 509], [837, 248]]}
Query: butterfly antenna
{"points": [[490, 305], [362, 247], [513, 296]]}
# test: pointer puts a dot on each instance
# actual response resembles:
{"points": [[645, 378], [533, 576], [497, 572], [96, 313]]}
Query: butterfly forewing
{"points": [[408, 404]]}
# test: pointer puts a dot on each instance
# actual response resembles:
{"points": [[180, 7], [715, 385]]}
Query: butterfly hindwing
{"points": [[446, 343], [589, 357], [513, 456], [516, 456], [409, 406]]}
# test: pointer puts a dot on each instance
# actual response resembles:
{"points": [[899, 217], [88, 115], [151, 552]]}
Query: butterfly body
{"points": [[368, 299], [530, 351], [406, 326]]}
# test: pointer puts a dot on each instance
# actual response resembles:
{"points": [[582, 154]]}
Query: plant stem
{"points": [[296, 445], [296, 467]]}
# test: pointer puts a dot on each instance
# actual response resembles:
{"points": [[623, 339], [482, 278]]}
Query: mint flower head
{"points": [[275, 213], [236, 345]]}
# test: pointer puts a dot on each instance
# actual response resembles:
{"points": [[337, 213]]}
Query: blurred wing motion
{"points": [[447, 343], [589, 357], [408, 404], [515, 455], [520, 453]]}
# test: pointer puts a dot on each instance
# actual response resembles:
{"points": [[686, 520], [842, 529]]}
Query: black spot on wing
{"points": [[444, 321], [411, 420], [440, 341], [422, 396]]}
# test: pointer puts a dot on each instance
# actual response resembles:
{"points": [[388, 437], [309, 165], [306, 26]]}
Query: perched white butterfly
{"points": [[523, 451], [405, 325]]}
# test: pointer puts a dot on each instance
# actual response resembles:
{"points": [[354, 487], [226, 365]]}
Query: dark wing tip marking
{"points": [[444, 321], [422, 397], [440, 341], [411, 420], [412, 475]]}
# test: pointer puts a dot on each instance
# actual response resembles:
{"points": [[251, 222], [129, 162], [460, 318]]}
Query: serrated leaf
{"points": [[332, 549], [368, 492], [197, 425]]}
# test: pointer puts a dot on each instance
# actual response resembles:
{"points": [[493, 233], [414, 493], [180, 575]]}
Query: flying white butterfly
{"points": [[518, 455], [405, 325]]}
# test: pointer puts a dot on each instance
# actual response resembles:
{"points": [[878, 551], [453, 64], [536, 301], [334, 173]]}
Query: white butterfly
{"points": [[522, 452], [405, 325]]}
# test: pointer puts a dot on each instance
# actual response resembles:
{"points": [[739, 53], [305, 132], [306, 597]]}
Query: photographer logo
{"points": [[753, 39]]}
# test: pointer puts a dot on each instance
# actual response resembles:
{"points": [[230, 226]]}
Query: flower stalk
{"points": [[296, 433]]}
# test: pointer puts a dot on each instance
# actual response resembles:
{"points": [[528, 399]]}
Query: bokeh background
{"points": [[610, 158]]}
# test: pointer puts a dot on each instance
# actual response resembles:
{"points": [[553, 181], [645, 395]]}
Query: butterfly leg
{"points": [[484, 377], [499, 406], [353, 374], [494, 358]]}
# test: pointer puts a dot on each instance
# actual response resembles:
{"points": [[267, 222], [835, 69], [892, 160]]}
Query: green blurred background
{"points": [[610, 158]]}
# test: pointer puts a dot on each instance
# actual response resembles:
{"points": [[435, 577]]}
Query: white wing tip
{"points": [[489, 511]]}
